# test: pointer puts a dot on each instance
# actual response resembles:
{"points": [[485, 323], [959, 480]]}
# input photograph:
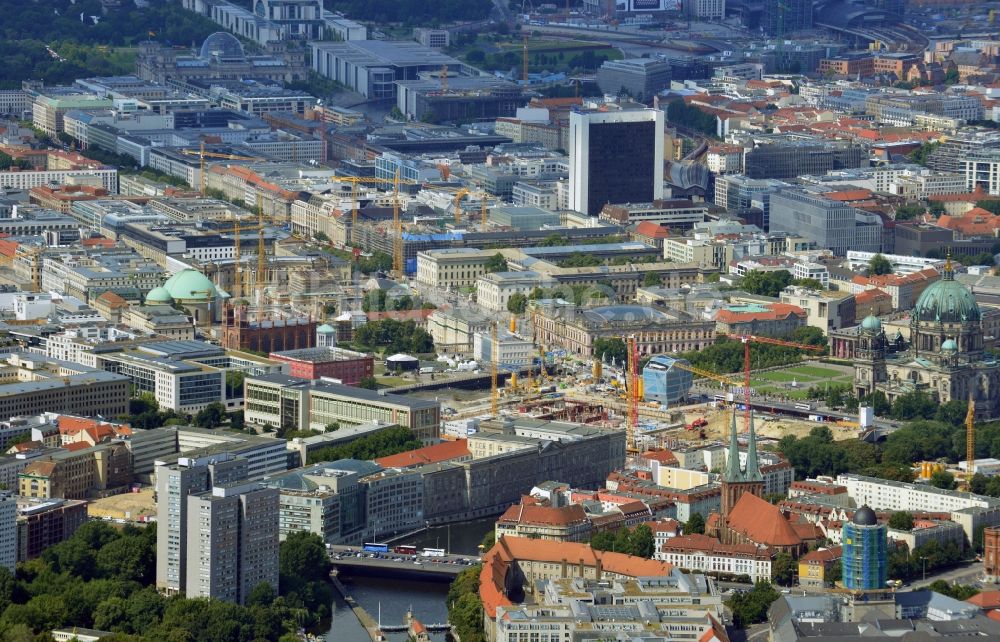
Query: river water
{"points": [[395, 596]]}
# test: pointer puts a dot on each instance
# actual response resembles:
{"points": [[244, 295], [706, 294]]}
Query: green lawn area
{"points": [[806, 376], [794, 393], [392, 382], [782, 377], [816, 371], [539, 45]]}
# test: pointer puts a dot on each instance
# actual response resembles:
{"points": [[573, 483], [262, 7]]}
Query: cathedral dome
{"points": [[871, 323], [949, 346], [947, 301]]}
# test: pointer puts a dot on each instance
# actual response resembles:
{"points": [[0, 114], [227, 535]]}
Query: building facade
{"points": [[865, 552], [615, 157]]}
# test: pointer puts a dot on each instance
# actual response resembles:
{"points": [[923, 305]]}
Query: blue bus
{"points": [[373, 547]]}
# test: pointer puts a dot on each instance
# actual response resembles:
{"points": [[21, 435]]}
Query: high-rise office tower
{"points": [[174, 483], [782, 17], [232, 541], [615, 156]]}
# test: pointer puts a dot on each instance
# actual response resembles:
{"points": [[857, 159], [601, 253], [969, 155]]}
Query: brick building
{"points": [[348, 366], [266, 335], [991, 553]]}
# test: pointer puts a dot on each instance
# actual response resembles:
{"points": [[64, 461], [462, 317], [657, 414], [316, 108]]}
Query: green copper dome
{"points": [[949, 346], [326, 328], [158, 295], [871, 323], [190, 285], [947, 301]]}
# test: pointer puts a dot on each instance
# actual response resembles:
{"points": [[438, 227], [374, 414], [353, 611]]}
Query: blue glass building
{"points": [[664, 382], [865, 556]]}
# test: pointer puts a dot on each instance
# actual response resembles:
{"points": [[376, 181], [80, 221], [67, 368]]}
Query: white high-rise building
{"points": [[232, 541], [8, 531], [616, 156]]}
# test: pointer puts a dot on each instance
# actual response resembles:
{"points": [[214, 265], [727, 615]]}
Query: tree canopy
{"points": [[638, 541], [879, 265], [381, 444], [102, 578]]}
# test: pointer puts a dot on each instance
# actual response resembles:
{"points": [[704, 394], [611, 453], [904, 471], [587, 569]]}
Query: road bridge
{"points": [[345, 559]]}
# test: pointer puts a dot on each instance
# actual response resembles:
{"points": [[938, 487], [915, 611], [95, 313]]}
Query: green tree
{"points": [[643, 542], [517, 303], [695, 525], [369, 382], [611, 349], [321, 237], [878, 265], [878, 402], [211, 416], [909, 211], [765, 283], [234, 384], [952, 412], [496, 263], [489, 539], [991, 205], [783, 569], [652, 279], [913, 405], [901, 521], [942, 479], [751, 607]]}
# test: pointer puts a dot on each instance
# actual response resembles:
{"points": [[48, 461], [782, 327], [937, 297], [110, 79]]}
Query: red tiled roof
{"points": [[986, 600], [823, 555], [776, 311], [509, 550], [849, 195], [544, 515], [445, 451], [75, 446], [704, 543], [762, 522], [652, 230], [977, 221], [870, 296]]}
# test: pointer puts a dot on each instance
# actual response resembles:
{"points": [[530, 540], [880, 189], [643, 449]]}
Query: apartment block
{"points": [[232, 541]]}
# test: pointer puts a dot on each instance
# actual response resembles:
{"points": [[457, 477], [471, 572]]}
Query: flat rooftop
{"points": [[384, 53], [320, 355]]}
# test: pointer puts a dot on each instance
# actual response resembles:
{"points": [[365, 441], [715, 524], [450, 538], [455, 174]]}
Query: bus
{"points": [[373, 547], [432, 552], [405, 550]]}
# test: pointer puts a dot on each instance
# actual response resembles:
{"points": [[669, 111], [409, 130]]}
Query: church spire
{"points": [[752, 470], [733, 472]]}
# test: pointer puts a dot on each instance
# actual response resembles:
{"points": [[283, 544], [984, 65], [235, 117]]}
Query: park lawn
{"points": [[784, 376], [392, 382], [815, 371], [792, 393]]}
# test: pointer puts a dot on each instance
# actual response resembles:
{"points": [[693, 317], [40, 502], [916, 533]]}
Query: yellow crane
{"points": [[202, 155], [364, 180], [708, 374], [398, 266], [970, 439], [494, 357]]}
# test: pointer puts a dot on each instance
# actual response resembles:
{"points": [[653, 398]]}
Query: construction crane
{"points": [[747, 339], [261, 266], [494, 358], [202, 155], [970, 440], [459, 195], [355, 181], [729, 381], [397, 226], [632, 379], [524, 56]]}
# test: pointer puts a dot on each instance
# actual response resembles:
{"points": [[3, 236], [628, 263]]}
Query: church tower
{"points": [[738, 480], [869, 358]]}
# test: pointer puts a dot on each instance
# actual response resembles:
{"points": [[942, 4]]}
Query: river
{"points": [[426, 598]]}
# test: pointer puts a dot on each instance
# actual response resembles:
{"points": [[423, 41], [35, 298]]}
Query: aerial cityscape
{"points": [[499, 320]]}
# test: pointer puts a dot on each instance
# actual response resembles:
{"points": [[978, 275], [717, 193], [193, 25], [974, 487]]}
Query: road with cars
{"points": [[354, 557]]}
